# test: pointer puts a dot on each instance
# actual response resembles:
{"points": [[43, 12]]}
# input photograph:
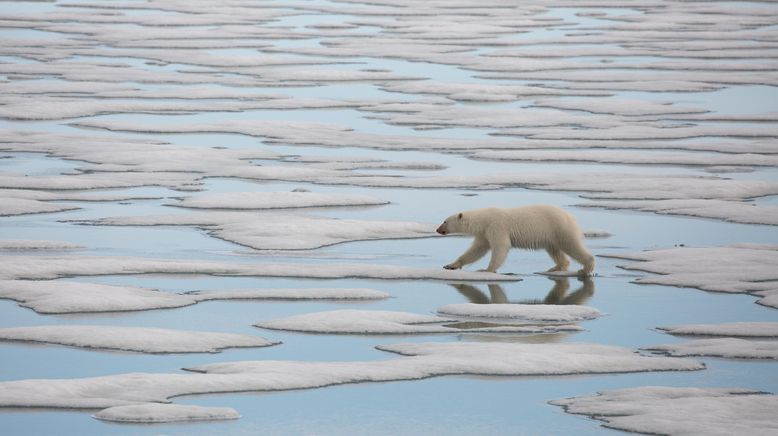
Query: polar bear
{"points": [[533, 227]]}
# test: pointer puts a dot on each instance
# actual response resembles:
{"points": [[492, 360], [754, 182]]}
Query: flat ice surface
{"points": [[152, 413], [281, 232], [58, 297], [225, 126], [529, 312], [40, 268], [739, 329], [35, 244], [679, 410], [390, 322], [721, 347], [138, 339], [745, 268], [276, 200], [427, 360]]}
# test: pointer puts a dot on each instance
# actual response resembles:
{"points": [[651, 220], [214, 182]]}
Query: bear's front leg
{"points": [[500, 249], [476, 251]]}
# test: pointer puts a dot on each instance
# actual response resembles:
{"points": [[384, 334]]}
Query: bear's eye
{"points": [[460, 216]]}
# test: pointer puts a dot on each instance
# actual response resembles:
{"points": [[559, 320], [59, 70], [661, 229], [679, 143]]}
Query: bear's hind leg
{"points": [[578, 252], [560, 260]]}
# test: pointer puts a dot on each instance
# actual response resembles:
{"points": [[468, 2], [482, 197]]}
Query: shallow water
{"points": [[443, 405]]}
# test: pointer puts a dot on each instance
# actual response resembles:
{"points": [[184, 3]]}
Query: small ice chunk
{"points": [[136, 339], [680, 410], [290, 294], [528, 312], [153, 413]]}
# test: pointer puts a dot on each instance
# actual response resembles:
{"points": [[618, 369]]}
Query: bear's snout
{"points": [[442, 229]]}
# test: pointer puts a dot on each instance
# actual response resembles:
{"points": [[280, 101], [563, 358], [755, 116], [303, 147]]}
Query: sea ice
{"points": [[153, 413], [738, 329], [427, 360], [137, 339], [272, 231], [524, 312], [732, 211], [24, 245], [721, 347], [52, 267], [680, 410], [276, 200], [744, 268], [57, 297], [371, 322]]}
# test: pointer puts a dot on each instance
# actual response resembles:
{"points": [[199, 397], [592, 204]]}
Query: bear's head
{"points": [[452, 224]]}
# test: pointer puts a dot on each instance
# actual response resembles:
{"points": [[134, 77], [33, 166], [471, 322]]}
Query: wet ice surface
{"points": [[180, 128]]}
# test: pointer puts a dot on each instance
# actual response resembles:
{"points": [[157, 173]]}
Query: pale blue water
{"points": [[445, 405]]}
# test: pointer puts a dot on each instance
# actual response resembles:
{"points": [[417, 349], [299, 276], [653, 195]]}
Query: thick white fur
{"points": [[531, 227]]}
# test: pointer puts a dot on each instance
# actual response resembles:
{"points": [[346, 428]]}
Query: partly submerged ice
{"points": [[426, 360], [680, 410], [137, 339], [152, 413], [737, 329], [372, 322], [721, 347]]}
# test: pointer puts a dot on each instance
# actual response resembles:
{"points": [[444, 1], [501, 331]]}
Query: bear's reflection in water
{"points": [[557, 295]]}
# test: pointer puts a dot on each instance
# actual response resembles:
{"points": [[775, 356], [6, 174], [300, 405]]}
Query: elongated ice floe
{"points": [[52, 267], [136, 339], [679, 410], [276, 200], [271, 231], [528, 312], [721, 347], [740, 268], [428, 360], [738, 329], [56, 296], [732, 211], [389, 322], [153, 413], [22, 206], [30, 244]]}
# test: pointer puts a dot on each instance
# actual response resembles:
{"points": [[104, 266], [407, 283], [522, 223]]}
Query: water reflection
{"points": [[557, 295]]}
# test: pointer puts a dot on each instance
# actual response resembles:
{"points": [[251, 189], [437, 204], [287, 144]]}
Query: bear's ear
{"points": [[460, 215]]}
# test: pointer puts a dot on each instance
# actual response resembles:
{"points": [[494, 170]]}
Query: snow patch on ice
{"points": [[27, 245], [276, 200]]}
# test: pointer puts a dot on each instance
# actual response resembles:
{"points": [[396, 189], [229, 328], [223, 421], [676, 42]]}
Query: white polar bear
{"points": [[533, 227]]}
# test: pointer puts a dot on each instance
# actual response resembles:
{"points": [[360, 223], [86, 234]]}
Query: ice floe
{"points": [[58, 297], [427, 360], [52, 267], [733, 211], [29, 244], [136, 339], [679, 410], [630, 157], [276, 200], [720, 347], [372, 322], [524, 312], [738, 329], [10, 206], [743, 268], [272, 231], [153, 413]]}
